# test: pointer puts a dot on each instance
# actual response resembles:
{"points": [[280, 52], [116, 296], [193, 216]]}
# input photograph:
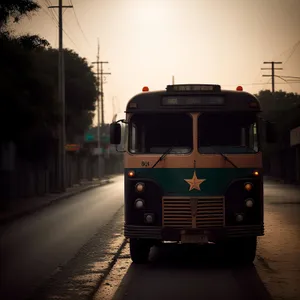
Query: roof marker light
{"points": [[131, 173], [239, 88], [145, 89]]}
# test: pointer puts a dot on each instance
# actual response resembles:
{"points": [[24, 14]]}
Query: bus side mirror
{"points": [[271, 135], [115, 133]]}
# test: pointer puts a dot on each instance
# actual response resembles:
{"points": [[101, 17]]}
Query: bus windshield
{"points": [[155, 133], [227, 133]]}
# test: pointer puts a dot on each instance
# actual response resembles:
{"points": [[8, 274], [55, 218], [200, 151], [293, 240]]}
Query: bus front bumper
{"points": [[174, 234]]}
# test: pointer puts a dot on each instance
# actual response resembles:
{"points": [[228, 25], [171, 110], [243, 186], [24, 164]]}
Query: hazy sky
{"points": [[198, 41]]}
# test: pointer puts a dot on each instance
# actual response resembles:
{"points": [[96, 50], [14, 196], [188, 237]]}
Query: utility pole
{"points": [[98, 111], [61, 96], [102, 93], [173, 80], [273, 72], [100, 74]]}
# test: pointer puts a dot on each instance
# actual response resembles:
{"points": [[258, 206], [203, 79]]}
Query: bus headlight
{"points": [[139, 203], [139, 187], [149, 218], [239, 218], [248, 186], [249, 202]]}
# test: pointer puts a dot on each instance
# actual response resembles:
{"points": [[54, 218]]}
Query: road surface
{"points": [[190, 273], [35, 246], [101, 268]]}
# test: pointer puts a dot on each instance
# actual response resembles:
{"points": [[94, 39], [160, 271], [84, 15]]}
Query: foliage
{"points": [[32, 42], [16, 11], [29, 110], [80, 88], [29, 90], [274, 105], [283, 109]]}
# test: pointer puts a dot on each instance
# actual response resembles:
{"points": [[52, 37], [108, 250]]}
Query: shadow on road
{"points": [[189, 272]]}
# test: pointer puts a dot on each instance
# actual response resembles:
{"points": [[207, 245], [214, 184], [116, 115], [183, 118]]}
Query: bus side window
{"points": [[252, 131], [134, 139], [243, 137], [124, 137], [133, 142], [143, 140]]}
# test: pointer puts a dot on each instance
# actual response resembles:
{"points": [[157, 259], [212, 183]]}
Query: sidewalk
{"points": [[21, 207], [277, 181], [276, 192]]}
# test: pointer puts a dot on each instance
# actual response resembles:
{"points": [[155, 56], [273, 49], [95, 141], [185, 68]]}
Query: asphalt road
{"points": [[177, 272], [38, 245], [85, 236]]}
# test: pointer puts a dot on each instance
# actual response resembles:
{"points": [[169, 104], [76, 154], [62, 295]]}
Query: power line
{"points": [[280, 77], [52, 13], [293, 51], [245, 84], [54, 17], [258, 83], [296, 77], [70, 1], [273, 72]]}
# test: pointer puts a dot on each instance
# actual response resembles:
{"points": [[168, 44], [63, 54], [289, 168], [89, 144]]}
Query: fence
{"points": [[21, 179], [281, 160]]}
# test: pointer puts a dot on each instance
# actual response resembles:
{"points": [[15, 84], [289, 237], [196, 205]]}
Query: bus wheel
{"points": [[139, 250], [242, 250]]}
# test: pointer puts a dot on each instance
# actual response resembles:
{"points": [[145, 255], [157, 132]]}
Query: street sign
{"points": [[89, 137], [72, 147]]}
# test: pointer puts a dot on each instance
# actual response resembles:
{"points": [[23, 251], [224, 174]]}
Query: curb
{"points": [[110, 266], [282, 182], [28, 212]]}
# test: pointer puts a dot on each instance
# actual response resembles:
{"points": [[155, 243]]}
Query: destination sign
{"points": [[193, 88], [191, 101]]}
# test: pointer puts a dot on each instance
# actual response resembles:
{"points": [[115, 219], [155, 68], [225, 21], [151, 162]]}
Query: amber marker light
{"points": [[248, 186], [131, 173], [140, 186], [255, 173]]}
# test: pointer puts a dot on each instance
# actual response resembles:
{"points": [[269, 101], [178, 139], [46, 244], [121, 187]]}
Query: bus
{"points": [[193, 169]]}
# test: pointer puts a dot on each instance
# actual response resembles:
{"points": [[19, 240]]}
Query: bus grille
{"points": [[177, 212]]}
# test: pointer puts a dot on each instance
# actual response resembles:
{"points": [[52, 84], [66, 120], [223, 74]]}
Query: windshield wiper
{"points": [[163, 156], [224, 156]]}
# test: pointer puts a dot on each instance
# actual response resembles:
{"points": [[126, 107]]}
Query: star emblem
{"points": [[194, 182]]}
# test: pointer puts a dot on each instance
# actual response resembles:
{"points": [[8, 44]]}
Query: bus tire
{"points": [[242, 250], [139, 250]]}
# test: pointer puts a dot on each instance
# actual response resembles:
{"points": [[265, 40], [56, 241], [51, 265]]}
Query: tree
{"points": [[80, 88], [16, 11], [32, 42], [30, 95], [283, 109], [275, 104], [30, 108]]}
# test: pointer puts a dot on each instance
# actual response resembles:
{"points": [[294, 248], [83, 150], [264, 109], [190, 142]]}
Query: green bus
{"points": [[193, 169]]}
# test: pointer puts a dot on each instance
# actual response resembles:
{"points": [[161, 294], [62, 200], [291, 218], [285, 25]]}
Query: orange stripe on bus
{"points": [[187, 161]]}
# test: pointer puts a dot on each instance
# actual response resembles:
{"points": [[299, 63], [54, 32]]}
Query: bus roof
{"points": [[193, 98]]}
